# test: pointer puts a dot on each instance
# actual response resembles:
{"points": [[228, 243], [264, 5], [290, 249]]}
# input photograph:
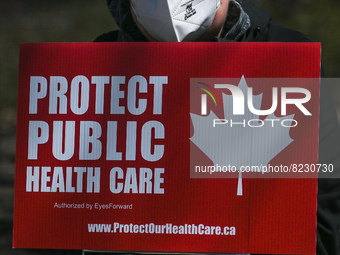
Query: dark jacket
{"points": [[263, 29]]}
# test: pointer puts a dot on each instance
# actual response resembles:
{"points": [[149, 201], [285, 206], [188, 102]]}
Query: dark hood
{"points": [[260, 22], [128, 30]]}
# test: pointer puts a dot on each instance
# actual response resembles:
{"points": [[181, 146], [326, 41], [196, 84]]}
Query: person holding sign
{"points": [[235, 21]]}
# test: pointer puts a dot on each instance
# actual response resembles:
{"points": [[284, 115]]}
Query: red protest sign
{"points": [[106, 137]]}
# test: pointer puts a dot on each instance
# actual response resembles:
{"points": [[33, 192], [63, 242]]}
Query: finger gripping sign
{"points": [[167, 147]]}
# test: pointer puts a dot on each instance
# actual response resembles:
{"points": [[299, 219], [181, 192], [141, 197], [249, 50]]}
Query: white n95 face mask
{"points": [[175, 20]]}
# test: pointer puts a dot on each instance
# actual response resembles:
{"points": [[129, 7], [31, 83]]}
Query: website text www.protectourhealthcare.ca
{"points": [[168, 228]]}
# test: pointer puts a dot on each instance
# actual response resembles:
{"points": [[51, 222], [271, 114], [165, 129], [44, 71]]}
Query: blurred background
{"points": [[82, 21]]}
